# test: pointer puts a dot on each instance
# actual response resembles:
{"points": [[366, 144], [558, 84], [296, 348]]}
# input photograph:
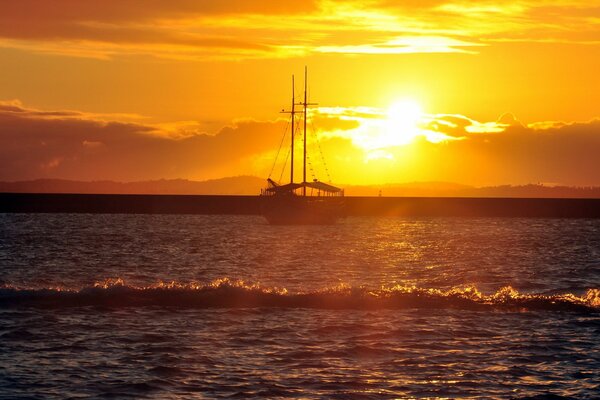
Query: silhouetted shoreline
{"points": [[252, 185], [250, 205]]}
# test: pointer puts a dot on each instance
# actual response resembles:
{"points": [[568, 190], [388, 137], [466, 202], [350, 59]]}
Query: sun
{"points": [[403, 118], [406, 111], [398, 125]]}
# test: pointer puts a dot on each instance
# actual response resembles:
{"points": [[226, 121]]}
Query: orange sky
{"points": [[407, 90]]}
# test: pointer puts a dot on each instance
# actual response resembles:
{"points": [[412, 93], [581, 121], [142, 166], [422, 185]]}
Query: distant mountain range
{"points": [[251, 185], [233, 185], [444, 189]]}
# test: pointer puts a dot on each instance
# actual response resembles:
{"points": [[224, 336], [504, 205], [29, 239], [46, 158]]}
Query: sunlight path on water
{"points": [[531, 255]]}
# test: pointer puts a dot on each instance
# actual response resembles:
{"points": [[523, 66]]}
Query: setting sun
{"points": [[403, 119], [381, 131]]}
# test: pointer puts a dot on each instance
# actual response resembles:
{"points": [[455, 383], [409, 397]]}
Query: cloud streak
{"points": [[239, 29]]}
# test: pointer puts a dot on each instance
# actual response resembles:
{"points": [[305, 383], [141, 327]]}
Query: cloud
{"points": [[74, 145], [177, 28], [142, 10], [405, 45], [565, 154], [240, 29]]}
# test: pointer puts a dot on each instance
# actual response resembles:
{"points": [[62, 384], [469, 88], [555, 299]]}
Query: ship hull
{"points": [[296, 210]]}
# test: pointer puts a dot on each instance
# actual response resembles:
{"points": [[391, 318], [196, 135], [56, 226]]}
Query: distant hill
{"points": [[445, 189], [251, 185], [240, 185]]}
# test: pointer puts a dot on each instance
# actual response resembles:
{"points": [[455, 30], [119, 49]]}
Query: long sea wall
{"points": [[250, 205]]}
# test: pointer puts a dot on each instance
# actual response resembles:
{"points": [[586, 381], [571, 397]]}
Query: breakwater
{"points": [[250, 205]]}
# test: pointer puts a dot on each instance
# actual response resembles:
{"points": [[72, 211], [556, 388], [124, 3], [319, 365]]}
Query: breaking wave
{"points": [[226, 293]]}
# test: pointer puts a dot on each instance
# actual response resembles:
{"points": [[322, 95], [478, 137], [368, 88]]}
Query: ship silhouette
{"points": [[301, 203]]}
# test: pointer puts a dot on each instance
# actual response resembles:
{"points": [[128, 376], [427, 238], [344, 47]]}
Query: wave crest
{"points": [[227, 293]]}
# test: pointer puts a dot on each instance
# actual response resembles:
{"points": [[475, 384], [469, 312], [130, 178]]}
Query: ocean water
{"points": [[190, 306]]}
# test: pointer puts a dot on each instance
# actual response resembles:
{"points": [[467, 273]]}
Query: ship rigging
{"points": [[292, 203]]}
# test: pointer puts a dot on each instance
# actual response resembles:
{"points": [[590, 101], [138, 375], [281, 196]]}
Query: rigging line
{"points": [[322, 156], [310, 164], [310, 167], [279, 150], [314, 132], [287, 156], [298, 131]]}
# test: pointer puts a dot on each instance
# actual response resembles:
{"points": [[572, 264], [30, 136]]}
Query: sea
{"points": [[196, 306]]}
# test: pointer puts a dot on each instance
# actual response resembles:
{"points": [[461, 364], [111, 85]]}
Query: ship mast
{"points": [[293, 132], [293, 113], [305, 107], [305, 104]]}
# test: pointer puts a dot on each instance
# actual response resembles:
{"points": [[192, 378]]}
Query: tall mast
{"points": [[293, 118], [305, 109], [305, 105], [293, 113]]}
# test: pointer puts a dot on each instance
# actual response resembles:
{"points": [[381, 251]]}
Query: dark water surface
{"points": [[151, 306]]}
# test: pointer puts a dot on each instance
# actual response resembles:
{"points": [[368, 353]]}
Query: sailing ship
{"points": [[301, 203]]}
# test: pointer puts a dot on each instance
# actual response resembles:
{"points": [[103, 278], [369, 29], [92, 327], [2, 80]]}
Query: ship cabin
{"points": [[312, 189]]}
